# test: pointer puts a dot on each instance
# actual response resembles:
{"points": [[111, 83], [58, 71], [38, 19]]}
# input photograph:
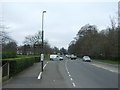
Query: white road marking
{"points": [[99, 66], [40, 74], [39, 77], [69, 74], [44, 66], [74, 84], [71, 79], [66, 66], [53, 80]]}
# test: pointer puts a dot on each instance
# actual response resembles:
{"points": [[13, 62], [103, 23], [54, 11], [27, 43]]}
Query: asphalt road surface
{"points": [[66, 74]]}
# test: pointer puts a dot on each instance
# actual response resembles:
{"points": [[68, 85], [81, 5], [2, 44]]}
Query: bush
{"points": [[8, 54], [37, 59], [19, 64]]}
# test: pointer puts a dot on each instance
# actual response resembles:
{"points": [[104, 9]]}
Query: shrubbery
{"points": [[19, 64], [8, 55], [37, 59]]}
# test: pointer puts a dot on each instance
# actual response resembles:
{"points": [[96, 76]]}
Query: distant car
{"points": [[60, 58], [73, 57], [68, 56], [86, 59], [54, 57]]}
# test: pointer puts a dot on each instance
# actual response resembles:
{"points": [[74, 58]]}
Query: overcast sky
{"points": [[61, 22]]}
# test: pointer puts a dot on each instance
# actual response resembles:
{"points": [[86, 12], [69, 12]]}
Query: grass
{"points": [[47, 57], [26, 56], [107, 61], [21, 56]]}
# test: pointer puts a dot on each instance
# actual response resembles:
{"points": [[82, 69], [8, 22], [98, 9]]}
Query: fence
{"points": [[11, 67], [5, 71]]}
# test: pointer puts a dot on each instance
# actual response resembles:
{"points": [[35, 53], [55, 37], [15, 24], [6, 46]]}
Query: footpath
{"points": [[29, 78]]}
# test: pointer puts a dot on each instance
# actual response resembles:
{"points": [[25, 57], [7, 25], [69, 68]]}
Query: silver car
{"points": [[86, 59]]}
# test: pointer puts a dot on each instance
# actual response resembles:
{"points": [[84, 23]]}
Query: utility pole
{"points": [[119, 14], [42, 55]]}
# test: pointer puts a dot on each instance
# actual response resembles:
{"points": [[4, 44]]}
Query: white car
{"points": [[86, 59], [68, 56], [73, 57], [60, 58], [54, 57]]}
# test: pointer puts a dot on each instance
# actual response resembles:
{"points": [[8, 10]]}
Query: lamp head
{"points": [[44, 11]]}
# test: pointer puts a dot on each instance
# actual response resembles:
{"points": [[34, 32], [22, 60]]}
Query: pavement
{"points": [[0, 77], [51, 77], [65, 74]]}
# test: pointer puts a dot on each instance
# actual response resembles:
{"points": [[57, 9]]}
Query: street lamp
{"points": [[42, 55]]}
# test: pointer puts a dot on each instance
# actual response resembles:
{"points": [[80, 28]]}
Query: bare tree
{"points": [[9, 45], [35, 43], [5, 38], [33, 39]]}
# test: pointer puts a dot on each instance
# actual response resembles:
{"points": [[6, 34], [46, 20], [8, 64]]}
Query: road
{"points": [[65, 74]]}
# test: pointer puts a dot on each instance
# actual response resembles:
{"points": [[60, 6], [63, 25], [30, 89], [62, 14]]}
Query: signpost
{"points": [[42, 55]]}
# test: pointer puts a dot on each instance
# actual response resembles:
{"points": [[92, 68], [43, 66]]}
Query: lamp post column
{"points": [[42, 55]]}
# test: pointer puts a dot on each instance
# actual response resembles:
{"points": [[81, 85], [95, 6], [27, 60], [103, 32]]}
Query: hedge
{"points": [[19, 64], [8, 54], [37, 59]]}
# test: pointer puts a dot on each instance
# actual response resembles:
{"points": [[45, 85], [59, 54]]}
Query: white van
{"points": [[54, 57]]}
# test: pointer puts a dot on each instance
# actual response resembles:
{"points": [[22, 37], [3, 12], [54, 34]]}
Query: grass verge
{"points": [[107, 61], [47, 57]]}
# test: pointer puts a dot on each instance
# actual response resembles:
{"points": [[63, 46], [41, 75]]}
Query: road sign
{"points": [[42, 57]]}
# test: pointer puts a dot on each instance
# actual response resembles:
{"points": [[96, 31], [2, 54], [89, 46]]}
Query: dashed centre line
{"points": [[74, 84], [71, 79], [69, 75]]}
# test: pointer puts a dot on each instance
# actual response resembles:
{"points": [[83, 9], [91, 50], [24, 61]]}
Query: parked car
{"points": [[86, 59]]}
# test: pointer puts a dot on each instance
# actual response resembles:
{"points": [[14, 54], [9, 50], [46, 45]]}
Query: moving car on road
{"points": [[54, 57], [68, 56], [86, 59], [60, 58], [73, 57]]}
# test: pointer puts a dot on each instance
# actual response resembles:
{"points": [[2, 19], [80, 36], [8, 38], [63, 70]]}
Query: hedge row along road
{"points": [[20, 63]]}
